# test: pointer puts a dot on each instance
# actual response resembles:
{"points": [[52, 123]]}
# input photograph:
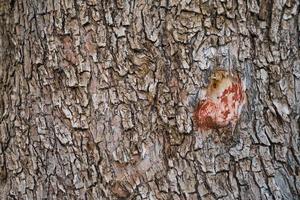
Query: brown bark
{"points": [[97, 99]]}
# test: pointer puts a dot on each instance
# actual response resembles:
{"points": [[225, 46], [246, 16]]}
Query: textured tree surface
{"points": [[97, 99]]}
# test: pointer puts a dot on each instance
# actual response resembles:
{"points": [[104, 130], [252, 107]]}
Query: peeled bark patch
{"points": [[223, 103]]}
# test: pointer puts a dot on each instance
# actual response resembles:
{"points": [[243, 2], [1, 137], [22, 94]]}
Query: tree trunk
{"points": [[97, 99]]}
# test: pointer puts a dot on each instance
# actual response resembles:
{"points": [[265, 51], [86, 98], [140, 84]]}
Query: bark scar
{"points": [[223, 102]]}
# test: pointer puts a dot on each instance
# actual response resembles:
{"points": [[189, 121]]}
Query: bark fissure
{"points": [[97, 99]]}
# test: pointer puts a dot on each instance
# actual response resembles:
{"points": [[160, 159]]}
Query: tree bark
{"points": [[97, 99]]}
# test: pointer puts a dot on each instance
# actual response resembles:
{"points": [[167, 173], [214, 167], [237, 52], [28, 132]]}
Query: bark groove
{"points": [[97, 99]]}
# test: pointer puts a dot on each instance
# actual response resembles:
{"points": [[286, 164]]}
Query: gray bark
{"points": [[97, 99]]}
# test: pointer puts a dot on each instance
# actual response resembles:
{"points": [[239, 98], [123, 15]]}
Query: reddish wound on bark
{"points": [[223, 102]]}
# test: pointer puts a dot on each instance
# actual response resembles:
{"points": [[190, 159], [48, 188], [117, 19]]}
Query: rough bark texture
{"points": [[97, 99]]}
